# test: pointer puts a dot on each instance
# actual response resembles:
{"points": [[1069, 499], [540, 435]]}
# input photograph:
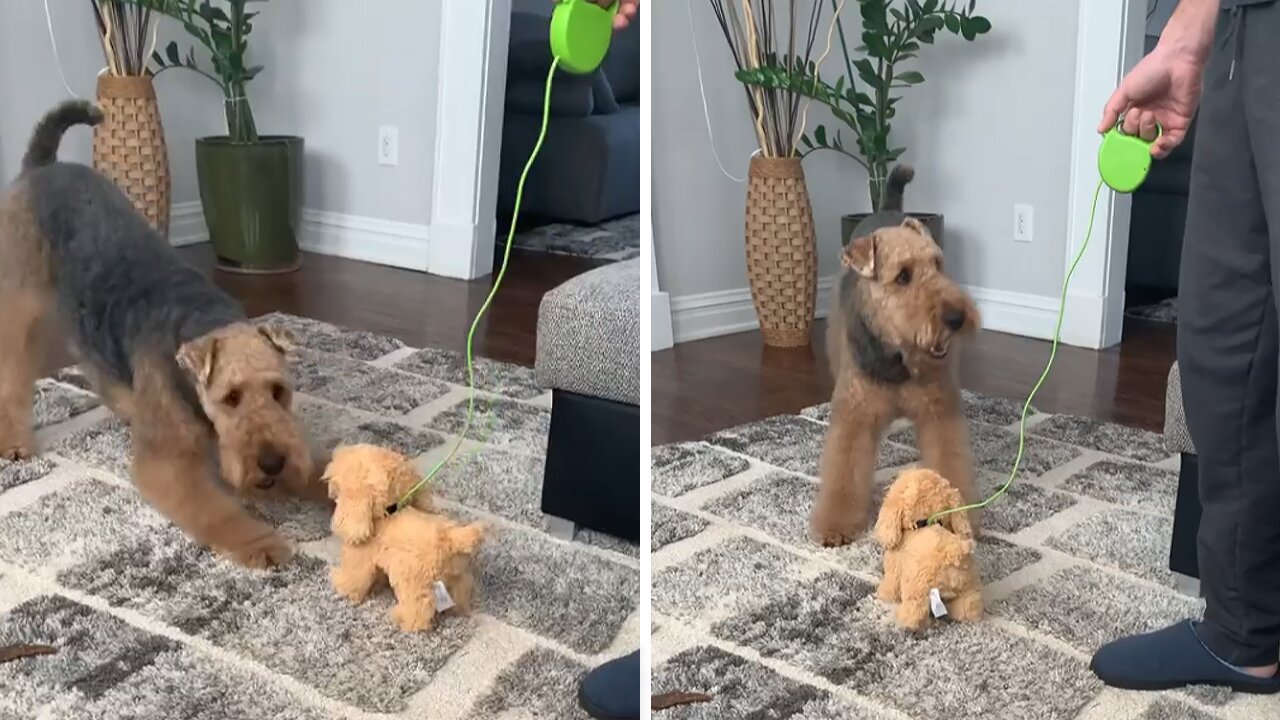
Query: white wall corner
{"points": [[472, 88], [661, 335], [1109, 42], [186, 224]]}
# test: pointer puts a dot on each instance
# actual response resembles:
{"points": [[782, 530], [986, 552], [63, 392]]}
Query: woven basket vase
{"points": [[129, 147], [782, 260]]}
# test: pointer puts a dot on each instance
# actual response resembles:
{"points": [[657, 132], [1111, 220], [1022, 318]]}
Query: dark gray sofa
{"points": [[589, 168]]}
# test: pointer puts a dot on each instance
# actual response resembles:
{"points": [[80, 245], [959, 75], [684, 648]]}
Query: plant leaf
{"points": [[171, 51], [910, 77], [980, 24], [820, 135], [952, 22]]}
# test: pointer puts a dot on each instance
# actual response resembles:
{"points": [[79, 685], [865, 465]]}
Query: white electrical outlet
{"points": [[1023, 222], [388, 145]]}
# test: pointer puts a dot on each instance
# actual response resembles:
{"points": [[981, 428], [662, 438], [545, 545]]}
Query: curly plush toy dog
{"points": [[425, 556], [930, 567]]}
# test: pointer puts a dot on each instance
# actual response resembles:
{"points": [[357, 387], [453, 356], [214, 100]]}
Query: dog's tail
{"points": [[896, 187], [466, 538], [43, 148]]}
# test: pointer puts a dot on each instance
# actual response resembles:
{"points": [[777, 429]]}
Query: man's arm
{"points": [[1190, 28]]}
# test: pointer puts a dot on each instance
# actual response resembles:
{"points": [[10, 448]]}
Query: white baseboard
{"points": [[1016, 313], [661, 335], [695, 317], [383, 242], [186, 224]]}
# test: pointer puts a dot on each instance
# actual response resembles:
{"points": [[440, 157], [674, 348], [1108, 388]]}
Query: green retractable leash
{"points": [[1123, 164], [581, 32]]}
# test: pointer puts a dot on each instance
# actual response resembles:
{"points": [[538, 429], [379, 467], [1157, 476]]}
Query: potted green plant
{"points": [[250, 184], [863, 99]]}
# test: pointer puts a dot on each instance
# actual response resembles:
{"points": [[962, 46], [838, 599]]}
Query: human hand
{"points": [[1164, 88], [627, 11]]}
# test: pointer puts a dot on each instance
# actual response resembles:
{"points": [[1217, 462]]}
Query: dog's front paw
{"points": [[264, 552], [23, 448], [835, 529]]}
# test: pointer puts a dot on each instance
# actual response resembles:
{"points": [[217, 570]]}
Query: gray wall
{"points": [[335, 72], [30, 85], [991, 127]]}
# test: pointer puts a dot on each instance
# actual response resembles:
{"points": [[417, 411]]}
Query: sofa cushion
{"points": [[589, 334], [622, 64], [1176, 435]]}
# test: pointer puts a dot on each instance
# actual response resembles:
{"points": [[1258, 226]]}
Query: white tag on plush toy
{"points": [[935, 603], [443, 601]]}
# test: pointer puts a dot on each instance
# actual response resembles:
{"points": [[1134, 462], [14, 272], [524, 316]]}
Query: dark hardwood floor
{"points": [[419, 309], [709, 385]]}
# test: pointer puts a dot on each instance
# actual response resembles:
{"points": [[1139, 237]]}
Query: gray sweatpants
{"points": [[1229, 337]]}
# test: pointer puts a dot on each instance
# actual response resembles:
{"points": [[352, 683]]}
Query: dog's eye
{"points": [[231, 399], [904, 276], [277, 392]]}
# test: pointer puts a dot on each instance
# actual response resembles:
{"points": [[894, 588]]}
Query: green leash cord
{"points": [[580, 35], [484, 309], [1053, 353], [1123, 164]]}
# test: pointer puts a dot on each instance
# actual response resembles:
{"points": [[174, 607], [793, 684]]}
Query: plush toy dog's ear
{"points": [[957, 522], [353, 518], [888, 530]]}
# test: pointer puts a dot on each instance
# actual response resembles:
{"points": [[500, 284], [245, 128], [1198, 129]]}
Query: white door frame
{"points": [[472, 89], [1109, 42]]}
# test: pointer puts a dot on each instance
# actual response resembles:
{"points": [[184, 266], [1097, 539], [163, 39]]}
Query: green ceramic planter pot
{"points": [[252, 199], [932, 221]]}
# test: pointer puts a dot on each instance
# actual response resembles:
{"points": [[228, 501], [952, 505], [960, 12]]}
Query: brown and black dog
{"points": [[170, 353], [889, 340]]}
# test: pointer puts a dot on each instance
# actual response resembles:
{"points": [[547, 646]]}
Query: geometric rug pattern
{"points": [[749, 610], [147, 625], [615, 240]]}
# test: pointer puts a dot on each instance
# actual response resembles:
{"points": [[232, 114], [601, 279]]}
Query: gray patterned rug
{"points": [[1165, 311], [748, 609], [148, 626], [615, 240]]}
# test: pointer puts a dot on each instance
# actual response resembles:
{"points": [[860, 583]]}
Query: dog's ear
{"points": [[860, 255], [889, 528], [197, 358], [279, 337], [917, 227]]}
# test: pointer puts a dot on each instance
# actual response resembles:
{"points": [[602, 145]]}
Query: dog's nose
{"points": [[953, 318], [270, 462]]}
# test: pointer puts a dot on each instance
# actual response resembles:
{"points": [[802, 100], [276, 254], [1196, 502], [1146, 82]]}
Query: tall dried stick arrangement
{"points": [[758, 38]]}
